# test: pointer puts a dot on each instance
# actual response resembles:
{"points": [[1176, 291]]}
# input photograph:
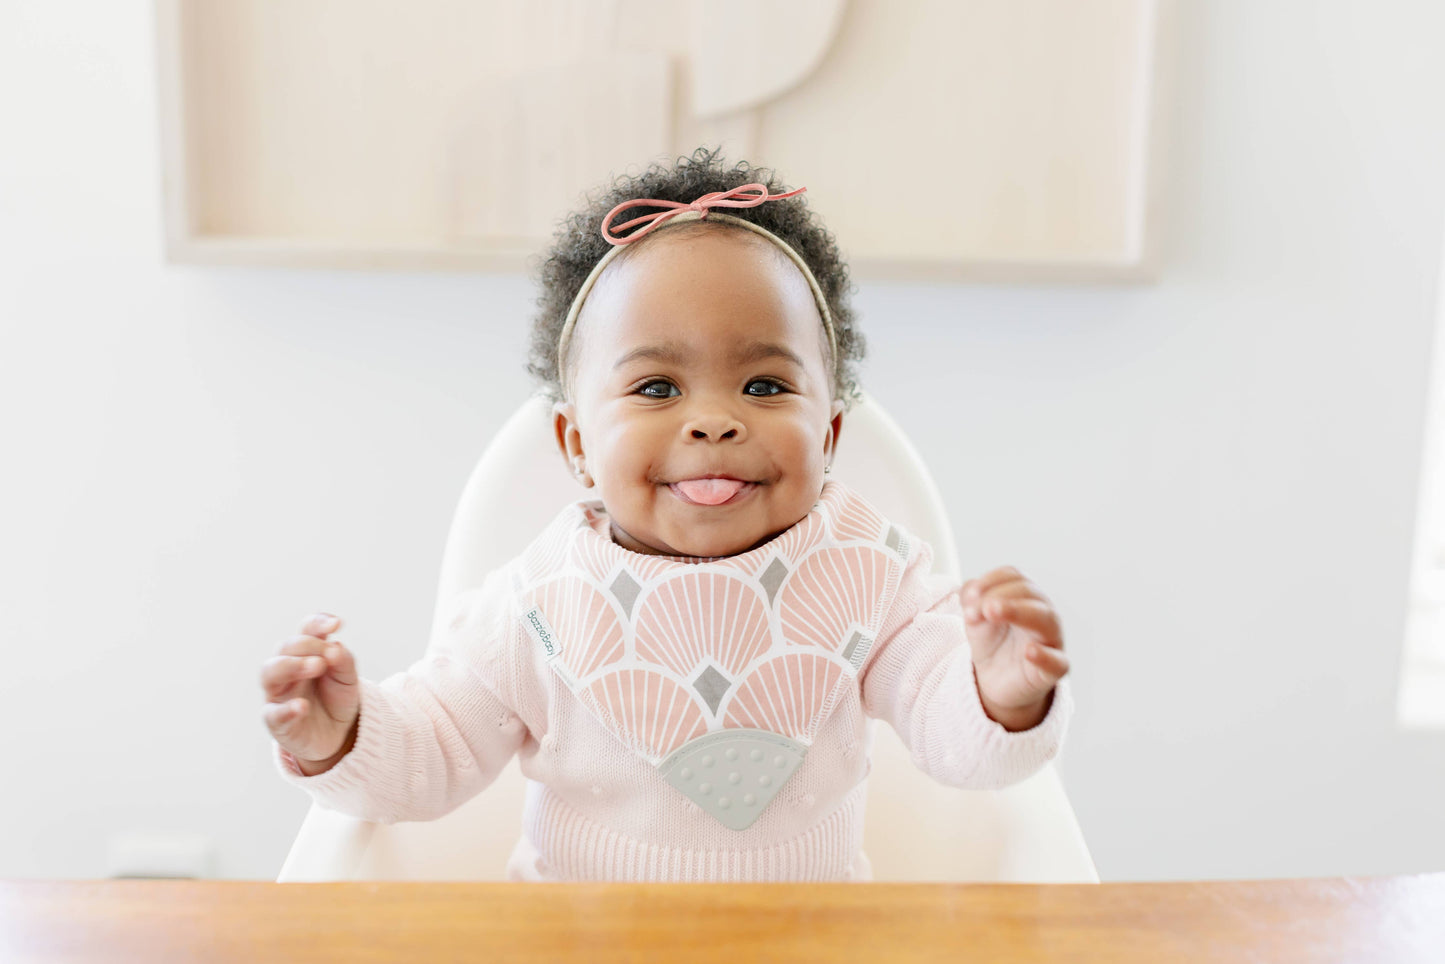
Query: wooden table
{"points": [[1378, 919]]}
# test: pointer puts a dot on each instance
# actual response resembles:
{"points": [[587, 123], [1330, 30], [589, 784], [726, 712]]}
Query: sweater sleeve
{"points": [[433, 736], [920, 679]]}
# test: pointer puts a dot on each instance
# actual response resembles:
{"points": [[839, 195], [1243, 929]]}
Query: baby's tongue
{"points": [[710, 491]]}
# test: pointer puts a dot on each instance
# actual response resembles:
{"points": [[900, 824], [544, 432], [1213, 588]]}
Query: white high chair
{"points": [[915, 829]]}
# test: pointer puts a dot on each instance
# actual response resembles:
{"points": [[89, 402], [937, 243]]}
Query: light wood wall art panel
{"points": [[990, 139]]}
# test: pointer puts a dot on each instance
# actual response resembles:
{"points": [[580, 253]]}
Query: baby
{"points": [[685, 665]]}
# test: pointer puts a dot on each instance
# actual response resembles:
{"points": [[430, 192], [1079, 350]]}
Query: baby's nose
{"points": [[716, 426]]}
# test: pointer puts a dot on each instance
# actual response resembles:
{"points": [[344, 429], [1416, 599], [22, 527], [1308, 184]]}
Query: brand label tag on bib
{"points": [[550, 643], [542, 633]]}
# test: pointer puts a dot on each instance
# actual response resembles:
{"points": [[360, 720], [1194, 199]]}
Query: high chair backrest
{"points": [[915, 829]]}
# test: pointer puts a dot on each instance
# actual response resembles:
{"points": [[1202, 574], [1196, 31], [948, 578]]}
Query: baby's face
{"points": [[700, 404]]}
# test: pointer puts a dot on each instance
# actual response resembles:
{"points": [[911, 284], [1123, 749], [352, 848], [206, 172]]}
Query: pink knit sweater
{"points": [[611, 674]]}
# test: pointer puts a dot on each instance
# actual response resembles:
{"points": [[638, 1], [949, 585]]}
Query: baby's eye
{"points": [[658, 389], [762, 387]]}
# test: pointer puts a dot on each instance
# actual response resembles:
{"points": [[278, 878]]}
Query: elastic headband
{"points": [[674, 212]]}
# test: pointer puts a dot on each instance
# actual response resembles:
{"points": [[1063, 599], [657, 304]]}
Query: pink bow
{"points": [[747, 196]]}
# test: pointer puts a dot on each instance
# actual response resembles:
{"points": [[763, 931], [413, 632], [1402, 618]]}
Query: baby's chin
{"points": [[695, 545]]}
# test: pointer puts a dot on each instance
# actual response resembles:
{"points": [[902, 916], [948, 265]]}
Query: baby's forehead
{"points": [[676, 242], [753, 287], [694, 269], [695, 261]]}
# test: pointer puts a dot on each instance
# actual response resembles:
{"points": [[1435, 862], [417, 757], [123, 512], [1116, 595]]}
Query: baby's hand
{"points": [[312, 696], [1018, 648]]}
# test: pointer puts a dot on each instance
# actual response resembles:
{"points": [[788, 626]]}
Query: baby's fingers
{"points": [[1053, 663], [340, 663], [1033, 614], [280, 673], [320, 624], [304, 646], [282, 718], [976, 589]]}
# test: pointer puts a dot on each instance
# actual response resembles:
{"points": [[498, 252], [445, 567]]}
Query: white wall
{"points": [[1213, 476]]}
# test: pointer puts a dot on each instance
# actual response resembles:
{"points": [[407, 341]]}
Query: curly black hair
{"points": [[578, 245]]}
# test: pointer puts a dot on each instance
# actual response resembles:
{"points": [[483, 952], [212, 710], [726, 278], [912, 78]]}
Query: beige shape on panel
{"points": [[532, 142], [746, 52], [976, 130]]}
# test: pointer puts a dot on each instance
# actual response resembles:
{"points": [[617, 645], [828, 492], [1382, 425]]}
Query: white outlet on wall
{"points": [[142, 854]]}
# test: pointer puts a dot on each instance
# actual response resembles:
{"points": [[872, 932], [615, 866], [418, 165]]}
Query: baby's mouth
{"points": [[708, 491]]}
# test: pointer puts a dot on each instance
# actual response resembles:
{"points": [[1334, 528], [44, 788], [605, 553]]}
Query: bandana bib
{"points": [[717, 672]]}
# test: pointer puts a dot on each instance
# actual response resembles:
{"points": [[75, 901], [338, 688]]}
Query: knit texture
{"points": [[433, 736]]}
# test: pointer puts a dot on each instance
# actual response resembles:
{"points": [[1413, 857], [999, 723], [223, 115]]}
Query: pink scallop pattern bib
{"points": [[667, 651]]}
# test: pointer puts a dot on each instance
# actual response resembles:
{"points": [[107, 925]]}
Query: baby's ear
{"points": [[835, 428], [569, 440], [564, 426]]}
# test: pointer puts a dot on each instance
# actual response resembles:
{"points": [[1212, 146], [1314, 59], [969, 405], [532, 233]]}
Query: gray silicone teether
{"points": [[733, 774]]}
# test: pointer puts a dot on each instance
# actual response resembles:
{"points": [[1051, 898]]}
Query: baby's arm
{"points": [[431, 737], [920, 678]]}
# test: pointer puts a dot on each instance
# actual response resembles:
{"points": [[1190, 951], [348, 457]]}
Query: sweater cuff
{"points": [[979, 750], [378, 737]]}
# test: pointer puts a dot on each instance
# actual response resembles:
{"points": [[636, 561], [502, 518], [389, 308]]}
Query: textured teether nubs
{"points": [[733, 774]]}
